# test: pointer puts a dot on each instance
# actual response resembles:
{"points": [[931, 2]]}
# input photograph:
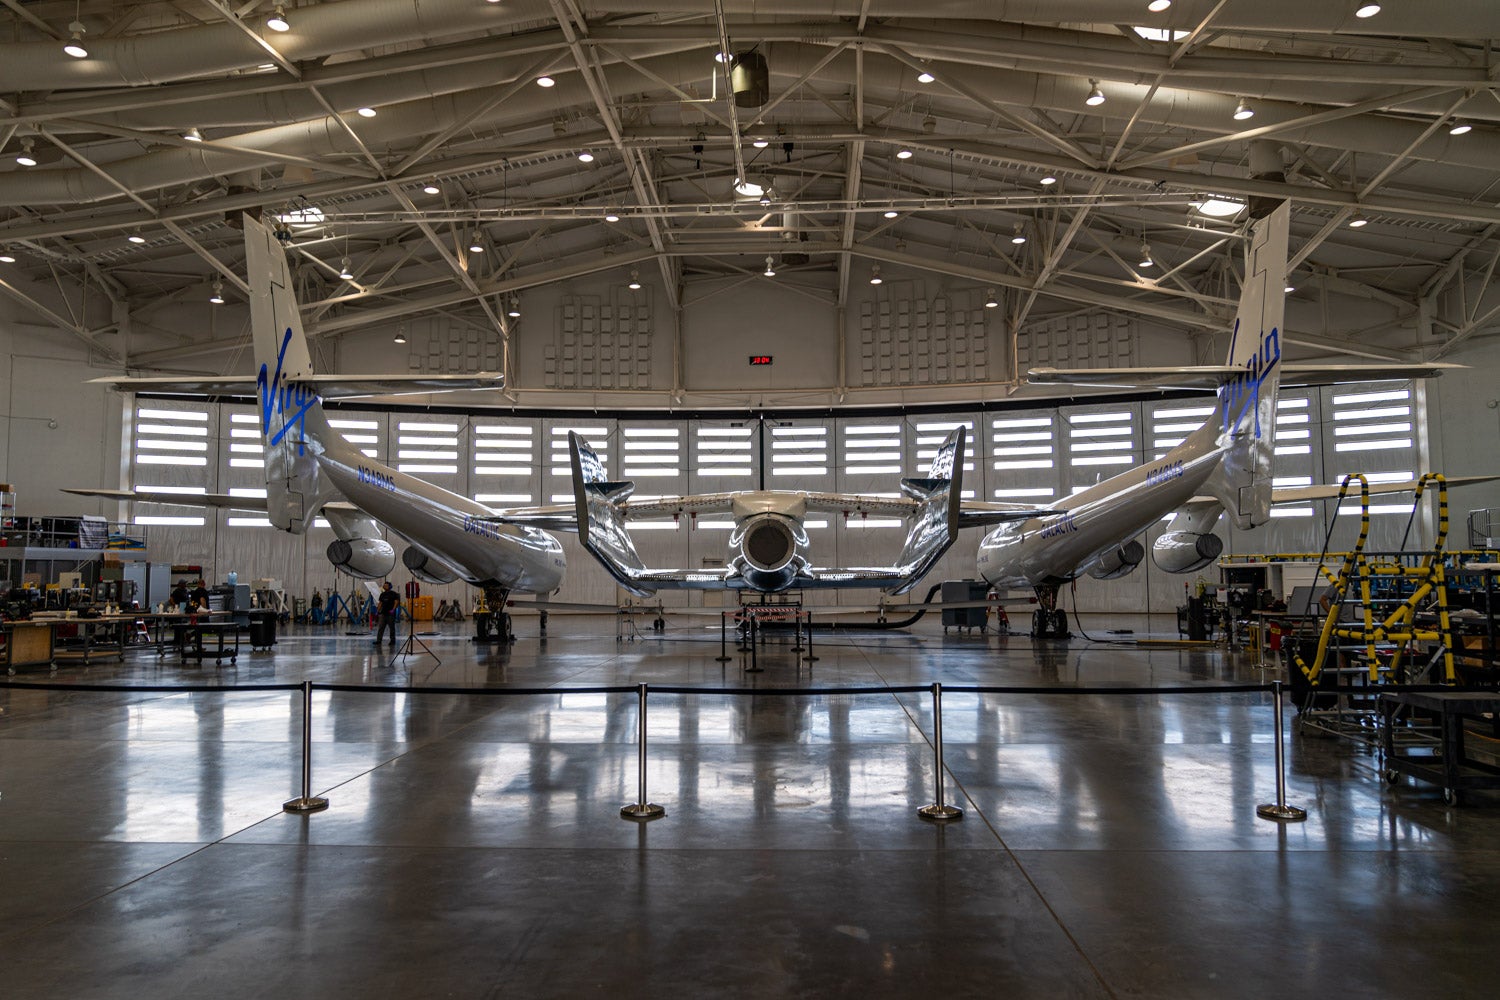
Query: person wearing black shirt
{"points": [[179, 595], [198, 599], [388, 602]]}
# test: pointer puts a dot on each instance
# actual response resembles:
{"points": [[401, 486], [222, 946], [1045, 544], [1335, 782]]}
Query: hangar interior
{"points": [[744, 243]]}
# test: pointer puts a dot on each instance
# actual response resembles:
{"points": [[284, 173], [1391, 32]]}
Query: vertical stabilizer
{"points": [[1247, 402], [934, 525], [293, 429]]}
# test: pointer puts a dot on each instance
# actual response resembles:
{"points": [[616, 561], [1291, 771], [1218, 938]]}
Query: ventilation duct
{"points": [[751, 79]]}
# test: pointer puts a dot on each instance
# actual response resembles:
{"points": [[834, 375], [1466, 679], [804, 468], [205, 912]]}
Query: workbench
{"points": [[1439, 759], [194, 638], [27, 644]]}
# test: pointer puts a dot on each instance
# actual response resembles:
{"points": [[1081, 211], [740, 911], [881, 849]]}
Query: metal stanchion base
{"points": [[1281, 814], [811, 659], [723, 659], [941, 814], [643, 811], [304, 805]]}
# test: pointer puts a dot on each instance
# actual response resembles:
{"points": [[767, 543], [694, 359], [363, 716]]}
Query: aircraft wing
{"points": [[1324, 491], [179, 499], [1302, 494], [225, 500], [1213, 376], [329, 386]]}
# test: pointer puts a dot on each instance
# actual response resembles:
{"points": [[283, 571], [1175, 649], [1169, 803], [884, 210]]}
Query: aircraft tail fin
{"points": [[935, 524], [1246, 411], [601, 523], [294, 430]]}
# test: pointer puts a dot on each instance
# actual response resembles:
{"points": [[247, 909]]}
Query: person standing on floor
{"points": [[389, 600]]}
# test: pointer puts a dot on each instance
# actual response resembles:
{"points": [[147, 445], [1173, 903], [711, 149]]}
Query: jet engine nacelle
{"points": [[426, 568], [1118, 561], [1185, 551], [366, 558], [768, 547]]}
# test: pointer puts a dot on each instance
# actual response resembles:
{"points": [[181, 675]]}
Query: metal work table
{"points": [[1440, 759]]}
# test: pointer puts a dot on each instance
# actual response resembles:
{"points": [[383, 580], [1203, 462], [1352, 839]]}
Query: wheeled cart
{"points": [[1437, 754]]}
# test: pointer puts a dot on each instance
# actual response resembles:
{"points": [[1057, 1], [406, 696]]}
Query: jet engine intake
{"points": [[366, 558], [1118, 561], [427, 569], [767, 543], [1185, 551]]}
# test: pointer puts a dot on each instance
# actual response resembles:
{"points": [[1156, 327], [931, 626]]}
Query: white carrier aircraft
{"points": [[310, 468], [1225, 465]]}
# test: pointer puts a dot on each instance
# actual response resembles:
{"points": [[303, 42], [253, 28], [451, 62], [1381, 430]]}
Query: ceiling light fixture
{"points": [[431, 187], [217, 298], [475, 244], [365, 112], [24, 157], [990, 302], [1048, 180], [1357, 220], [344, 272], [770, 271], [514, 312], [1243, 111], [193, 135], [891, 213], [545, 81], [925, 77], [74, 45], [1367, 10], [6, 257], [585, 157], [1019, 237], [1146, 260], [1460, 127], [277, 21], [136, 238], [1218, 208], [611, 215], [635, 280], [1096, 96], [875, 278], [1290, 288], [723, 57], [903, 153], [400, 337], [1157, 6], [761, 143]]}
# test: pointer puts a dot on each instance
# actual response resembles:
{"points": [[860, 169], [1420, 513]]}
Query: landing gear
{"points": [[491, 621], [1048, 621]]}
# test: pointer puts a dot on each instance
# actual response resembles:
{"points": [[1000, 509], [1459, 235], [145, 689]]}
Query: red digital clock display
{"points": [[760, 359]]}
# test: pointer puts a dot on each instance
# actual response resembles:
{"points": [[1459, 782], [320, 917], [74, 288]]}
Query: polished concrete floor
{"points": [[473, 845]]}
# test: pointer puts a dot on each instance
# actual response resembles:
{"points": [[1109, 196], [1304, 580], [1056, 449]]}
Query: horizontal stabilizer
{"points": [[328, 386], [1210, 377]]}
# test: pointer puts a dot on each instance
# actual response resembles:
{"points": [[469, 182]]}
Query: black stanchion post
{"points": [[938, 812], [306, 803], [642, 809], [723, 656], [810, 658], [1279, 811], [797, 621], [743, 628], [754, 667]]}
